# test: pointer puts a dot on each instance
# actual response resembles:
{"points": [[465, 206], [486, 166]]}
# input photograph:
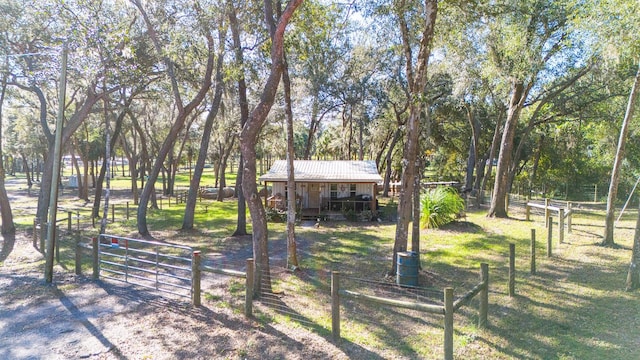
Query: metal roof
{"points": [[325, 171]]}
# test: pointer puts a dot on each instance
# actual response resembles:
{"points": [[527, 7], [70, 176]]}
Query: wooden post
{"points": [[549, 236], [448, 323], [69, 215], [561, 225], [484, 295], [113, 213], [160, 203], [527, 215], [127, 210], [77, 220], [169, 201], [195, 278], [569, 216], [512, 270], [595, 193], [248, 292], [335, 305], [546, 212], [533, 251], [78, 254], [96, 259]]}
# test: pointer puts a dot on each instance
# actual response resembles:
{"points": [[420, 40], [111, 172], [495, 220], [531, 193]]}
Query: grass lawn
{"points": [[575, 307]]}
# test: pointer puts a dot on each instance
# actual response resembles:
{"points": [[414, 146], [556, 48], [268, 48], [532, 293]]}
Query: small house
{"points": [[325, 188]]}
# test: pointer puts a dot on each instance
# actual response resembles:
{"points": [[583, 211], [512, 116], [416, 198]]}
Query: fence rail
{"points": [[448, 309]]}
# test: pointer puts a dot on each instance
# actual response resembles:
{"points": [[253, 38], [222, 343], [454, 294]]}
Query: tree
{"points": [[617, 163], [633, 275], [184, 110], [189, 211], [6, 216], [543, 34], [416, 75], [248, 142]]}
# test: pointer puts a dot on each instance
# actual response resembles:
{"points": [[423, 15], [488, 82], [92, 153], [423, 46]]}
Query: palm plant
{"points": [[440, 206]]}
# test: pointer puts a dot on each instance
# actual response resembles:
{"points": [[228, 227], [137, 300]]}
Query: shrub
{"points": [[275, 215], [440, 206]]}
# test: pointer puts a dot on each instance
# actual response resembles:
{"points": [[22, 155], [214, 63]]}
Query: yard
{"points": [[575, 307]]}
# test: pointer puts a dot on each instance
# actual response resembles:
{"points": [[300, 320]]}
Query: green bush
{"points": [[275, 215], [440, 206]]}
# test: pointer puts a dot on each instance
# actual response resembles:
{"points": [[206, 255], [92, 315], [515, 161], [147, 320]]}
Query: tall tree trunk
{"points": [[8, 227], [388, 162], [194, 185], [183, 113], [292, 252], [249, 139], [241, 223], [633, 275], [492, 154], [519, 93], [415, 225], [617, 163], [417, 82], [223, 166]]}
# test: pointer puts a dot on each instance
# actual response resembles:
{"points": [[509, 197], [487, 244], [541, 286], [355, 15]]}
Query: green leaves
{"points": [[440, 206]]}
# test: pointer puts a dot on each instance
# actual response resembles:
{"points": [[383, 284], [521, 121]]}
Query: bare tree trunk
{"points": [[249, 139], [8, 227], [519, 94], [633, 276], [189, 210], [492, 154], [241, 224], [417, 82], [183, 113], [617, 163], [292, 253]]}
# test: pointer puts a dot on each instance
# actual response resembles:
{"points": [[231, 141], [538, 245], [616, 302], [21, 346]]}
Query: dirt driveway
{"points": [[78, 319]]}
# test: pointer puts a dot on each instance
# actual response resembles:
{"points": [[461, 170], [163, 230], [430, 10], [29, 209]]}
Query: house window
{"points": [[334, 191], [352, 190]]}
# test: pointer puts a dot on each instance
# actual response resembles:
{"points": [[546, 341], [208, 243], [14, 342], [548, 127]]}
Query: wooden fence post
{"points": [[127, 210], [248, 293], [96, 259], [195, 278], [546, 212], [77, 220], [512, 270], [78, 253], [549, 236], [533, 251], [69, 215], [484, 295], [335, 305], [448, 323], [527, 215], [561, 225]]}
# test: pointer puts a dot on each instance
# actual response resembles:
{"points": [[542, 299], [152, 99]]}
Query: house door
{"points": [[314, 196]]}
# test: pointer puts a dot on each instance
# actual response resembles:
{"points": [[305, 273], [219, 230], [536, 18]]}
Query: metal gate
{"points": [[162, 267]]}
